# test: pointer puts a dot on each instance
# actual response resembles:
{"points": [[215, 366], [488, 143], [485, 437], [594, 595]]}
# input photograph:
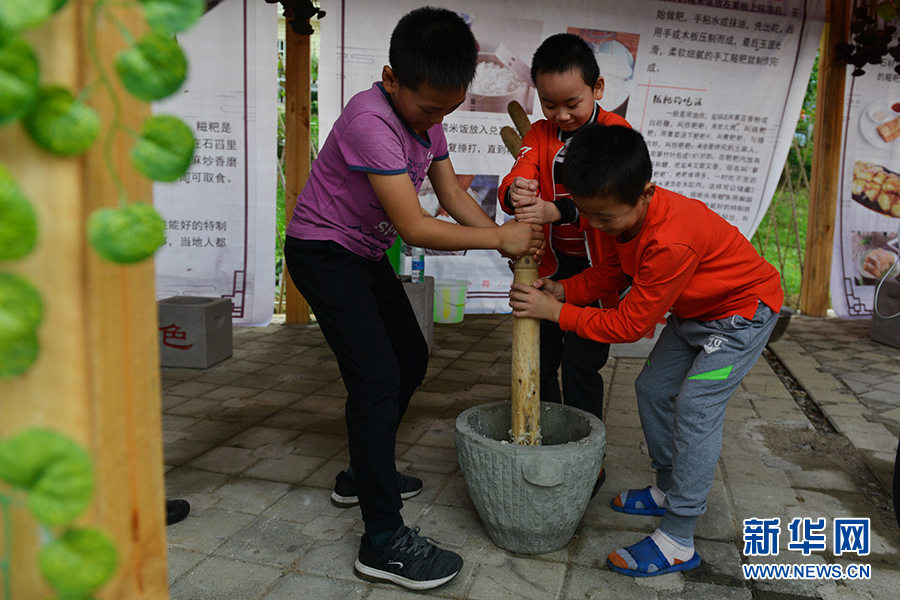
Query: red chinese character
{"points": [[172, 332]]}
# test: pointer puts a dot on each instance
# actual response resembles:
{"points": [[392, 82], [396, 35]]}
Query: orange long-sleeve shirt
{"points": [[535, 161], [686, 260]]}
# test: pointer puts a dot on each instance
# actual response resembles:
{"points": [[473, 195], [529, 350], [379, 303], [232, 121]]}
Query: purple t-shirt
{"points": [[338, 202]]}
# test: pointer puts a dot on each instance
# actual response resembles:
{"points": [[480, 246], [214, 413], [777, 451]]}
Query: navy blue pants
{"points": [[580, 358], [369, 324]]}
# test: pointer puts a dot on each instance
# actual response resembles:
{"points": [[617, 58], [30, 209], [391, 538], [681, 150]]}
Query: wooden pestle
{"points": [[526, 366]]}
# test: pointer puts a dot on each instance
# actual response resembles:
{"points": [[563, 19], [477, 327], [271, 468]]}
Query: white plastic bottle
{"points": [[417, 267]]}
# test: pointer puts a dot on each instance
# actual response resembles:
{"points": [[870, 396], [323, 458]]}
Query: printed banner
{"points": [[715, 86], [220, 216], [868, 207]]}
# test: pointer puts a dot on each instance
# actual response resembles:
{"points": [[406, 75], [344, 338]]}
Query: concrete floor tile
{"points": [[250, 495], [258, 436], [224, 459], [276, 398], [601, 583], [206, 531], [182, 561], [290, 469], [199, 408], [706, 591], [434, 460], [450, 526], [518, 579], [267, 541], [455, 494], [822, 480], [181, 451], [213, 431], [594, 544], [224, 579], [303, 504], [169, 401], [317, 444], [177, 423], [331, 558], [294, 586], [187, 480]]}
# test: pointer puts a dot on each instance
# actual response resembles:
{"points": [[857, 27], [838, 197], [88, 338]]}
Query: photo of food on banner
{"points": [[875, 256], [615, 52], [503, 74], [483, 188], [879, 122]]}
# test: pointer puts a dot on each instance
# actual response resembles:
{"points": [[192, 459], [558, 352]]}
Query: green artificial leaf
{"points": [[61, 124], [78, 562], [18, 354], [165, 148], [153, 68], [58, 4], [18, 222], [19, 78], [55, 471], [126, 235], [172, 16], [21, 309], [16, 15], [886, 10]]}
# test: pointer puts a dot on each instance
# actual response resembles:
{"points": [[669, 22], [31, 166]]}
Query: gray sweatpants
{"points": [[682, 392]]}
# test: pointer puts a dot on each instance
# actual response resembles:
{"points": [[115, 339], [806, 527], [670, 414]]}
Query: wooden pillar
{"points": [[526, 366], [297, 104], [97, 376], [826, 166]]}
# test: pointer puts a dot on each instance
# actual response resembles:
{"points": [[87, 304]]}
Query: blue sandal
{"points": [[645, 559], [637, 502]]}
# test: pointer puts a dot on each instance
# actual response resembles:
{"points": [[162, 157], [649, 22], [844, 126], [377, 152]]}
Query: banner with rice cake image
{"points": [[715, 87]]}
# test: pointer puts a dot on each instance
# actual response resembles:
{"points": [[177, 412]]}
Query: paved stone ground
{"points": [[254, 444], [853, 380]]}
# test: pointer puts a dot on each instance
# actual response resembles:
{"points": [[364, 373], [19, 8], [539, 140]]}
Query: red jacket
{"points": [[535, 161], [686, 259]]}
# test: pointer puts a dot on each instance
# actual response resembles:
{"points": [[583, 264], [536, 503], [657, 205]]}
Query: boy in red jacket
{"points": [[565, 73], [723, 301]]}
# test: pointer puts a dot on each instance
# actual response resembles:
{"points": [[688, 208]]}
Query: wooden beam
{"points": [[825, 184], [96, 379], [297, 104]]}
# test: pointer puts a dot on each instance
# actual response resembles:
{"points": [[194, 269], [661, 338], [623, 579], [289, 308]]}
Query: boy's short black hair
{"points": [[433, 46], [562, 53], [607, 161]]}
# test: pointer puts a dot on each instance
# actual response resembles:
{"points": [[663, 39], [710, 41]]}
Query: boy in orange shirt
{"points": [[565, 72], [723, 299]]}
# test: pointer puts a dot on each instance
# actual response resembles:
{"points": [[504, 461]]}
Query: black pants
{"points": [[581, 359], [369, 324]]}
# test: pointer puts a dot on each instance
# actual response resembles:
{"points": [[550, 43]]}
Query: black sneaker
{"points": [[345, 496], [601, 479], [408, 560]]}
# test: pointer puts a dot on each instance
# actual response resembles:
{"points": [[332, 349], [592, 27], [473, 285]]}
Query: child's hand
{"points": [[530, 208], [540, 212], [524, 192], [519, 239], [537, 303]]}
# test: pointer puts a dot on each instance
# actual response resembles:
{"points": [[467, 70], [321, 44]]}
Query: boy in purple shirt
{"points": [[362, 193]]}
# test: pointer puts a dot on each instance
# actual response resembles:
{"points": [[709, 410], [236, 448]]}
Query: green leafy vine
{"points": [[53, 478], [62, 122], [39, 469]]}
